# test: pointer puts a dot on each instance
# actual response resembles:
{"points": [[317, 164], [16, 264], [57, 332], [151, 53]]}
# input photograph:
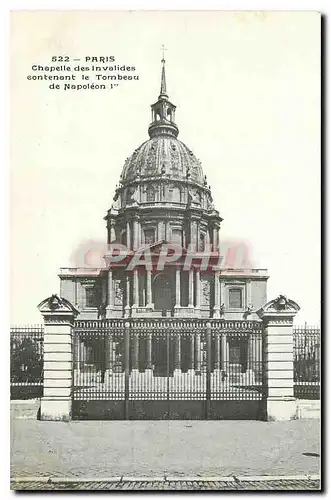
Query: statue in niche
{"points": [[205, 295], [118, 292], [194, 196]]}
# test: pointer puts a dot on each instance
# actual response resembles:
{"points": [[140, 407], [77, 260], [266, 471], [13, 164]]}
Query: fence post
{"points": [[59, 315], [126, 368], [208, 369], [277, 316]]}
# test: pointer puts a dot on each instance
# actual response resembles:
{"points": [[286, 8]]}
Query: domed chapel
{"points": [[163, 198]]}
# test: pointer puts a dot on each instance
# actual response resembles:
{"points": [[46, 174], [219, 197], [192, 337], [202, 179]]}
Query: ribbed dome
{"points": [[163, 156]]}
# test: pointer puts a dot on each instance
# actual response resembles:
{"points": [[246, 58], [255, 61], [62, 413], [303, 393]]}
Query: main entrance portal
{"points": [[162, 293], [168, 368]]}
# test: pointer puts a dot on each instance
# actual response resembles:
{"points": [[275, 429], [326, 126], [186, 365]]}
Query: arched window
{"points": [[235, 298], [149, 236], [150, 194]]}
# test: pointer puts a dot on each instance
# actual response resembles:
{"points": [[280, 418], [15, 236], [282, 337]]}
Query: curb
{"points": [[118, 479]]}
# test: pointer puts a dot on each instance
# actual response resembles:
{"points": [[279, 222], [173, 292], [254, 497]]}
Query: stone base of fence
{"points": [[281, 409], [56, 409]]}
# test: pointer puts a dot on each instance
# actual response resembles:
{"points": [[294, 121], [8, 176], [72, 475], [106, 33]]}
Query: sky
{"points": [[247, 90]]}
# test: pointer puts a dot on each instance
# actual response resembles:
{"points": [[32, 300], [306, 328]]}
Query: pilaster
{"points": [[59, 315], [277, 316]]}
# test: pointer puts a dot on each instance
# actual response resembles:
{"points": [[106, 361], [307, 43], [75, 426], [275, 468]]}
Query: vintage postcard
{"points": [[165, 202]]}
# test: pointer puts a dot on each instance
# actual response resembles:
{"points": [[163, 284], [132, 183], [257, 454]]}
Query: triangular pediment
{"points": [[54, 303]]}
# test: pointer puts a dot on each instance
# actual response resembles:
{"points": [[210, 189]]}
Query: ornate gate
{"points": [[168, 369]]}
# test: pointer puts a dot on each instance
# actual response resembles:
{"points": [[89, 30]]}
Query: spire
{"points": [[163, 91]]}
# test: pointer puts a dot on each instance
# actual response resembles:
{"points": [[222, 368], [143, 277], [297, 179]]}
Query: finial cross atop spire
{"points": [[163, 78], [163, 50]]}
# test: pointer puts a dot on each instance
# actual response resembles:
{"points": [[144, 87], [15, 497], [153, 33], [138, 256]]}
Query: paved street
{"points": [[104, 449], [234, 485]]}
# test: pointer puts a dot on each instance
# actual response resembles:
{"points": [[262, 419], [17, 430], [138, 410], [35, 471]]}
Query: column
{"points": [[198, 353], [197, 289], [190, 287], [193, 236], [249, 293], [110, 293], [149, 352], [198, 235], [177, 355], [160, 235], [135, 288], [149, 303], [135, 352], [58, 315], [277, 316], [128, 235], [135, 234], [215, 238], [217, 352], [166, 230], [207, 242], [177, 287], [216, 310]]}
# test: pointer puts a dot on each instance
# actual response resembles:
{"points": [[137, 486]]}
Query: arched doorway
{"points": [[163, 293]]}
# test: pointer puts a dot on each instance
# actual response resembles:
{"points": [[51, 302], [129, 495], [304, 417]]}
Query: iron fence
{"points": [[167, 368], [306, 343], [26, 362]]}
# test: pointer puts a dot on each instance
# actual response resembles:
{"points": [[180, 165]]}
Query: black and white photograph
{"points": [[165, 247]]}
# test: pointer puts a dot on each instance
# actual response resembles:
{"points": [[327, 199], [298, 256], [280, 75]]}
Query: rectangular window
{"points": [[149, 236], [90, 297], [235, 298]]}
